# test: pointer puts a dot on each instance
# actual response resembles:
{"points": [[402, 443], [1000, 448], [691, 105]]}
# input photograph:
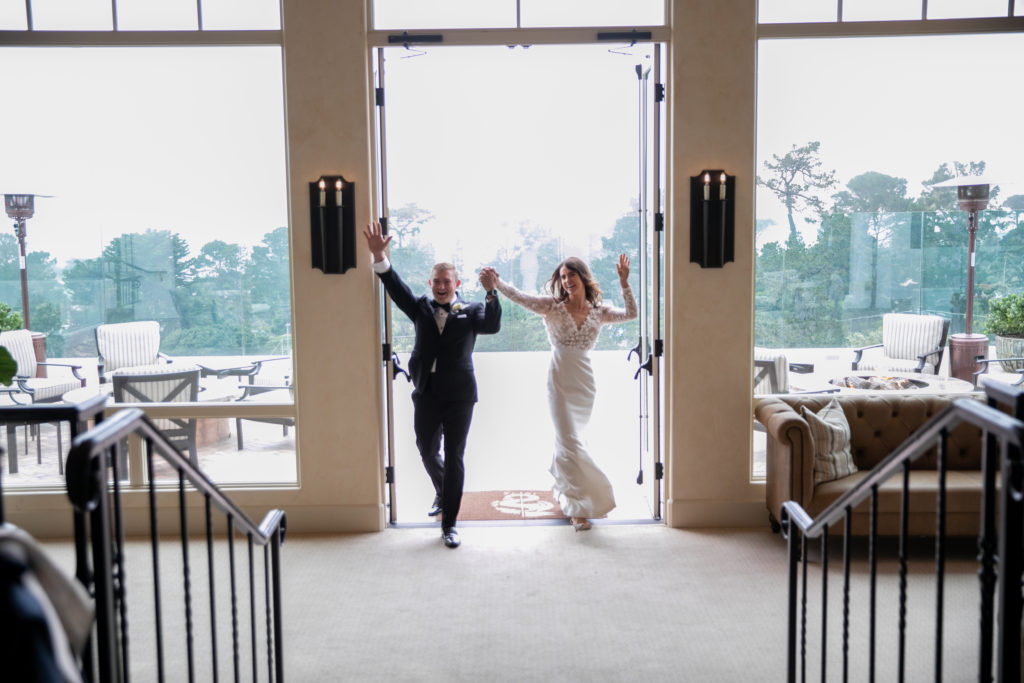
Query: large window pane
{"points": [[848, 225], [160, 206]]}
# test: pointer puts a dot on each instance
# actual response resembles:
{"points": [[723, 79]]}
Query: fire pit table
{"points": [[904, 383]]}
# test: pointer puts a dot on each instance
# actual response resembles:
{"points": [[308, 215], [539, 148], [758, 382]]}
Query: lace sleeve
{"points": [[611, 314], [539, 304]]}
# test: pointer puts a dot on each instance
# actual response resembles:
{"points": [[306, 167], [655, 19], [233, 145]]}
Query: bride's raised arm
{"points": [[539, 304]]}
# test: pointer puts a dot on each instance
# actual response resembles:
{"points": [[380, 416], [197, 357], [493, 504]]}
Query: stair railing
{"points": [[1002, 441], [94, 487]]}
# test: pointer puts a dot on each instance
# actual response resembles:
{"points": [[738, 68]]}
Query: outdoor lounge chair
{"points": [[128, 345], [262, 380], [910, 343], [28, 389]]}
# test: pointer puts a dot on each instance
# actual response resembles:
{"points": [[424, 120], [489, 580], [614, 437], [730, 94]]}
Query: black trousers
{"points": [[435, 420]]}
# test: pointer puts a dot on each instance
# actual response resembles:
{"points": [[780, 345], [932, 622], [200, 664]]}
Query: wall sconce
{"points": [[712, 217], [332, 219]]}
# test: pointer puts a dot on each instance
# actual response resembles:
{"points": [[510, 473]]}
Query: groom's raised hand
{"points": [[376, 241], [488, 278]]}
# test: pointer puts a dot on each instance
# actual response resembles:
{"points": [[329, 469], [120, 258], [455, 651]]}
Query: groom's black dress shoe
{"points": [[435, 507], [451, 537]]}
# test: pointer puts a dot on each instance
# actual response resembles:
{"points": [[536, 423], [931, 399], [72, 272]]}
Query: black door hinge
{"points": [[389, 475], [385, 352], [659, 222], [659, 347], [378, 95], [659, 470], [659, 92]]}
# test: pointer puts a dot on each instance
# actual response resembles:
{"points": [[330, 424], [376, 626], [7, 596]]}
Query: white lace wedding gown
{"points": [[580, 486]]}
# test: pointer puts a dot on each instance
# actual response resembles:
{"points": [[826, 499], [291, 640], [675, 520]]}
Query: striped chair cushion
{"points": [[830, 434], [905, 336], [781, 372], [128, 344], [19, 344]]}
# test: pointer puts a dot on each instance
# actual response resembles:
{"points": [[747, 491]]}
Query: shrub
{"points": [[1006, 316]]}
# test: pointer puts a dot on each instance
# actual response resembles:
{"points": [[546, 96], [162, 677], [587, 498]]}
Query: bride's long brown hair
{"points": [[590, 286]]}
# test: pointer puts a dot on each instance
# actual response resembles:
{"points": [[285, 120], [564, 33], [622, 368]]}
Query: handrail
{"points": [[55, 412], [917, 444], [86, 449]]}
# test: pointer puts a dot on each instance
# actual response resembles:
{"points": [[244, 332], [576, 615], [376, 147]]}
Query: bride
{"points": [[573, 315]]}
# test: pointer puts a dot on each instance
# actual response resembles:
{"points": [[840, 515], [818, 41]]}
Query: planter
{"points": [[1010, 347]]}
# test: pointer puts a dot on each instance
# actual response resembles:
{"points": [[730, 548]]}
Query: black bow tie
{"points": [[446, 307]]}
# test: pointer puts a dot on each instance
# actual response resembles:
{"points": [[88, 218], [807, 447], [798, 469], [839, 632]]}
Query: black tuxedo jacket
{"points": [[454, 378]]}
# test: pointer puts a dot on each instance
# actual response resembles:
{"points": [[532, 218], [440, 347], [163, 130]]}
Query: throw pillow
{"points": [[830, 434]]}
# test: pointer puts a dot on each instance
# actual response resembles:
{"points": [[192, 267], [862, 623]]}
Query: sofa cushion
{"points": [[830, 434]]}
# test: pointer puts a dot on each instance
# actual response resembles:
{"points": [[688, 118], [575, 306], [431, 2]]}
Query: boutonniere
{"points": [[458, 306]]}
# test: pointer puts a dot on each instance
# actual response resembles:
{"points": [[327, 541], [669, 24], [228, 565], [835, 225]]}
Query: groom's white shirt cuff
{"points": [[381, 266]]}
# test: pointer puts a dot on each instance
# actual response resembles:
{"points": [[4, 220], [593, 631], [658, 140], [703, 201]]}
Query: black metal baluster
{"points": [[873, 589], [1011, 564], [266, 603], [154, 540], [789, 528], [847, 532], [275, 562], [824, 603], [121, 588], [252, 608], [803, 611], [234, 595], [904, 516], [940, 551], [107, 643], [186, 573], [213, 598], [987, 555]]}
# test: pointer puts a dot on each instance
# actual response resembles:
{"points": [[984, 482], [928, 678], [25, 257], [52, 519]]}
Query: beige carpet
{"points": [[540, 602]]}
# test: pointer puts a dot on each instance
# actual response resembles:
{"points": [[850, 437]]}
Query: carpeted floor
{"points": [[540, 602]]}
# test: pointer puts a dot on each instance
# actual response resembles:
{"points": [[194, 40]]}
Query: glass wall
{"points": [[850, 223]]}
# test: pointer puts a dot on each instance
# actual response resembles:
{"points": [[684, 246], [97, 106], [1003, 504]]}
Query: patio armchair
{"points": [[985, 362], [128, 345], [771, 371], [28, 389], [910, 343], [267, 375], [163, 384]]}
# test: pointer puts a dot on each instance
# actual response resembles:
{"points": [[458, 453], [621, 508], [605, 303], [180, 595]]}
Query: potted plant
{"points": [[1006, 322], [9, 320]]}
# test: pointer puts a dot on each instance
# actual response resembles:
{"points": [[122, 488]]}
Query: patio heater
{"points": [[21, 207], [964, 348]]}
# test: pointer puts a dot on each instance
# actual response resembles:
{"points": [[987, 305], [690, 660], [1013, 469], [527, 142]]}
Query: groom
{"points": [[441, 365]]}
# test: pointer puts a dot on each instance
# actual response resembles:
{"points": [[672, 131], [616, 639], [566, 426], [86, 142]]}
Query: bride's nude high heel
{"points": [[580, 524]]}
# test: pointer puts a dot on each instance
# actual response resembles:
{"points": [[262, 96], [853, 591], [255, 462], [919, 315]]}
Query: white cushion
{"points": [[19, 344], [128, 344], [905, 336]]}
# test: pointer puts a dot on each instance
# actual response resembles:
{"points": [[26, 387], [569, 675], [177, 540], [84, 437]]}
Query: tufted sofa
{"points": [[879, 423]]}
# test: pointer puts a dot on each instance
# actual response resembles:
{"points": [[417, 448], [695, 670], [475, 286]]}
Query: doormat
{"points": [[505, 505]]}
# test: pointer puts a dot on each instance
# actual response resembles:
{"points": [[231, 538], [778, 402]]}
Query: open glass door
{"points": [[517, 158]]}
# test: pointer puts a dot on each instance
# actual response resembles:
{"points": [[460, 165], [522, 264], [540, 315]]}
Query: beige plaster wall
{"points": [[710, 311]]}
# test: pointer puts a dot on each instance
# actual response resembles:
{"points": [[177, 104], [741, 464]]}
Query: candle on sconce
{"points": [[337, 192], [323, 194], [707, 186], [721, 188]]}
